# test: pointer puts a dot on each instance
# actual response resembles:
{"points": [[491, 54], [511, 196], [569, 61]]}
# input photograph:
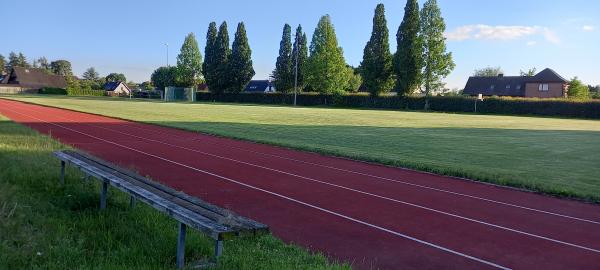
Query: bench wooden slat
{"points": [[242, 225], [195, 220]]}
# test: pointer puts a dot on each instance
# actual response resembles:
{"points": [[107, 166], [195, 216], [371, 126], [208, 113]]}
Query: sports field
{"points": [[556, 156], [367, 215]]}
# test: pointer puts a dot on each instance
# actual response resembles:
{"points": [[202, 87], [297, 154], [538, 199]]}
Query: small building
{"points": [[116, 89], [33, 79], [546, 84], [260, 86]]}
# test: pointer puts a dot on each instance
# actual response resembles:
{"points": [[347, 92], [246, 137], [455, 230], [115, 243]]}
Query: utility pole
{"points": [[167, 44]]}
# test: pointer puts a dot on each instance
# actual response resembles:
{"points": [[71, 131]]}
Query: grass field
{"points": [[555, 156], [44, 225]]}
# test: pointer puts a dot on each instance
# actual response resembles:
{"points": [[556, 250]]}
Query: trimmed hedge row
{"points": [[52, 91], [85, 92], [493, 105]]}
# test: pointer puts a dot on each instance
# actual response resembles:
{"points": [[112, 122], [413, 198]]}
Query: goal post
{"points": [[179, 94]]}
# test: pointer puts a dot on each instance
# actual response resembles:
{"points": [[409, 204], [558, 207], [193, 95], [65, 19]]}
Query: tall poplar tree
{"points": [[409, 55], [240, 62], [299, 54], [376, 67], [23, 60], [326, 69], [2, 63], [222, 53], [209, 67], [13, 60], [283, 73], [189, 62], [437, 63]]}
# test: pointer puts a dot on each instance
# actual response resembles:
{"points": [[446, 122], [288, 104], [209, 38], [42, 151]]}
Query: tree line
{"points": [[90, 79], [419, 63], [225, 69]]}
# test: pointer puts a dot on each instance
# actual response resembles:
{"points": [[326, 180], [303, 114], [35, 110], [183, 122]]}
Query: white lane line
{"points": [[280, 196], [345, 187], [386, 178]]}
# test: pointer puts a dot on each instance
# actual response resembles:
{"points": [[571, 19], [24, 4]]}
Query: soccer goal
{"points": [[179, 94]]}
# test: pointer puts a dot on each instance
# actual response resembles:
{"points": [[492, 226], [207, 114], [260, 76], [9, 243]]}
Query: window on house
{"points": [[518, 87], [508, 86], [543, 87], [492, 87]]}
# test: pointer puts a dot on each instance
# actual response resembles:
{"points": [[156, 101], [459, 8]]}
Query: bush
{"points": [[495, 105], [52, 91], [84, 92]]}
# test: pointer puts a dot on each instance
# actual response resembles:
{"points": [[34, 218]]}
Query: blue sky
{"points": [[129, 36]]}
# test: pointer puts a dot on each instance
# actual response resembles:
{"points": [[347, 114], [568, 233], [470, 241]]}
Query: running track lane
{"points": [[372, 216]]}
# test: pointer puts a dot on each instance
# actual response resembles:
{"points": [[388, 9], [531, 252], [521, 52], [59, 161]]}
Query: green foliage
{"points": [[42, 63], [326, 70], [437, 63], [488, 72], [61, 67], [355, 81], [17, 60], [452, 103], [53, 91], [240, 61], [2, 63], [91, 74], [408, 59], [283, 75], [299, 57], [376, 66], [81, 88], [147, 86], [210, 65], [578, 90], [115, 77], [222, 53], [189, 62], [163, 77], [529, 73]]}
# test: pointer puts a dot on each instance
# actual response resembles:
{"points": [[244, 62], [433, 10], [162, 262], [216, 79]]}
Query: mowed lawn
{"points": [[555, 156], [44, 225]]}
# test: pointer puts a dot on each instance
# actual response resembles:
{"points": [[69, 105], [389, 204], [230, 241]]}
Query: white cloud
{"points": [[531, 43], [588, 28], [500, 32]]}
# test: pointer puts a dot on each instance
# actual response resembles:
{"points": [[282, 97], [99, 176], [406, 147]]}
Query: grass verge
{"points": [[44, 225], [549, 155]]}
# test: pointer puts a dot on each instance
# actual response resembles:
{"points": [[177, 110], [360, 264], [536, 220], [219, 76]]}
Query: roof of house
{"points": [[34, 78], [509, 85], [112, 86], [257, 86]]}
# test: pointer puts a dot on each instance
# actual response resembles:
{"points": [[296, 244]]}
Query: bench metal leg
{"points": [[62, 172], [103, 195], [218, 248], [181, 246], [132, 201]]}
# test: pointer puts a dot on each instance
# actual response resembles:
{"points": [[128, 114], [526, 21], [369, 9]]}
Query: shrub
{"points": [[52, 91], [493, 105]]}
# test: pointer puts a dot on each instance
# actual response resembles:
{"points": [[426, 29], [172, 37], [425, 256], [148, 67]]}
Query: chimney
{"points": [[500, 75]]}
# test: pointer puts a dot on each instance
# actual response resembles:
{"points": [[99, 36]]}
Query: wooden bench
{"points": [[218, 223]]}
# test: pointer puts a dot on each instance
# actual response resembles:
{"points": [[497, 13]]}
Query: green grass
{"points": [[550, 155], [44, 225]]}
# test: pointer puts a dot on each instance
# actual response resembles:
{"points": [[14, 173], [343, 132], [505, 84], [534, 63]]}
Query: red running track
{"points": [[369, 215]]}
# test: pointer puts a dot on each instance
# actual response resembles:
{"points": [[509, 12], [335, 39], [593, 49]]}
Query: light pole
{"points": [[296, 76], [167, 44]]}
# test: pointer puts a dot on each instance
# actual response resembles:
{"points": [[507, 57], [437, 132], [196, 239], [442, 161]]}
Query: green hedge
{"points": [[494, 105], [53, 91], [84, 92]]}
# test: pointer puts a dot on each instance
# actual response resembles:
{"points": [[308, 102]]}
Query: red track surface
{"points": [[372, 216]]}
